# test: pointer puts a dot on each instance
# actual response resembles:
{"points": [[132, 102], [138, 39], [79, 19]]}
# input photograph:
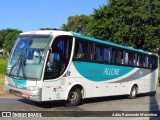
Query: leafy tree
{"points": [[8, 37], [76, 24], [133, 23]]}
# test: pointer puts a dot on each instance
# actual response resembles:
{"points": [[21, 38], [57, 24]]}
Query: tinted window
{"points": [[89, 51], [106, 54], [120, 56], [114, 55], [130, 58], [80, 50], [98, 53], [59, 57]]}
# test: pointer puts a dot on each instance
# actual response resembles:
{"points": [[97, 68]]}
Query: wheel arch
{"points": [[76, 85], [135, 84]]}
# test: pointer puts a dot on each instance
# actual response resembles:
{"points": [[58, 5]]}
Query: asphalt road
{"points": [[96, 106]]}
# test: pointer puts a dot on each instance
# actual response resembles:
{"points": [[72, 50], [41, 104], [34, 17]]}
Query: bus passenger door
{"points": [[57, 63]]}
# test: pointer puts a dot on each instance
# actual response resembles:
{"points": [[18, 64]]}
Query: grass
{"points": [[3, 66], [1, 82]]}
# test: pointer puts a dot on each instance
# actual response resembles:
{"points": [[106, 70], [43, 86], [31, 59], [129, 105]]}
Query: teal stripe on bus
{"points": [[19, 83], [109, 43], [100, 72]]}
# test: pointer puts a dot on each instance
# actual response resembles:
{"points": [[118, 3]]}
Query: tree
{"points": [[8, 37], [133, 23], [49, 29], [76, 24]]}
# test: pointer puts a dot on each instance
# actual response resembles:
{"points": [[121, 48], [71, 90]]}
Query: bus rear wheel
{"points": [[133, 92], [74, 97]]}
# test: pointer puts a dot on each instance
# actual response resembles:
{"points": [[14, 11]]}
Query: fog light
{"points": [[33, 96]]}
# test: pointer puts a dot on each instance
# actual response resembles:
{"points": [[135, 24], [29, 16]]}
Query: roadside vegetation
{"points": [[3, 65]]}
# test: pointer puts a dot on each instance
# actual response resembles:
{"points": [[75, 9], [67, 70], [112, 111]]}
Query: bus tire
{"points": [[74, 97], [133, 92]]}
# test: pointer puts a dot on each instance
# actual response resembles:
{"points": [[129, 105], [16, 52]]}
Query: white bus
{"points": [[58, 65]]}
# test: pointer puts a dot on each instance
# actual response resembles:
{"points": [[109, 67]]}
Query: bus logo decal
{"points": [[54, 89], [111, 71]]}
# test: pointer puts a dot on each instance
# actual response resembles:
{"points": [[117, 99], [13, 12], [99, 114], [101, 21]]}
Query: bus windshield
{"points": [[27, 57]]}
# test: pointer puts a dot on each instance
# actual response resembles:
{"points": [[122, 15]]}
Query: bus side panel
{"points": [[105, 80], [148, 83], [74, 78], [53, 90], [59, 89]]}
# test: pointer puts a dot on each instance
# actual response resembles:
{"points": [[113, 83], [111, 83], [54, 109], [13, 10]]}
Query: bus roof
{"points": [[111, 44], [47, 32]]}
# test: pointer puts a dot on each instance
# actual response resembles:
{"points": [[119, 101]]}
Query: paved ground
{"points": [[100, 106]]}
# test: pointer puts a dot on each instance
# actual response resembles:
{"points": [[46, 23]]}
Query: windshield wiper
{"points": [[20, 64]]}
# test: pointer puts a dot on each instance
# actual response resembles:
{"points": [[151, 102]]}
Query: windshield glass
{"points": [[27, 57]]}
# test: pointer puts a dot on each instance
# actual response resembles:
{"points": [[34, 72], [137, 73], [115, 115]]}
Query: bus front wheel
{"points": [[74, 97], [133, 92]]}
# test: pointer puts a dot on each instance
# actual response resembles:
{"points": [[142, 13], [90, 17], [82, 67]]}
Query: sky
{"points": [[29, 15]]}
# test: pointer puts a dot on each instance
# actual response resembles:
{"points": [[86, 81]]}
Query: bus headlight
{"points": [[6, 82], [32, 88]]}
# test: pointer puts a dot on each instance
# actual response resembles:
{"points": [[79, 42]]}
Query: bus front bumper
{"points": [[24, 93]]}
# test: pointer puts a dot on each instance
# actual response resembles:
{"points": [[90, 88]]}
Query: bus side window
{"points": [[59, 56], [142, 60], [114, 55], [149, 61], [79, 50], [130, 58], [154, 62], [146, 61], [135, 59], [138, 60], [126, 58], [63, 46], [120, 57], [98, 53], [89, 51], [106, 54]]}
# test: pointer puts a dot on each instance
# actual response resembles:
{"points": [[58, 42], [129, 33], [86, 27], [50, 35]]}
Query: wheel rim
{"points": [[133, 92], [73, 96]]}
